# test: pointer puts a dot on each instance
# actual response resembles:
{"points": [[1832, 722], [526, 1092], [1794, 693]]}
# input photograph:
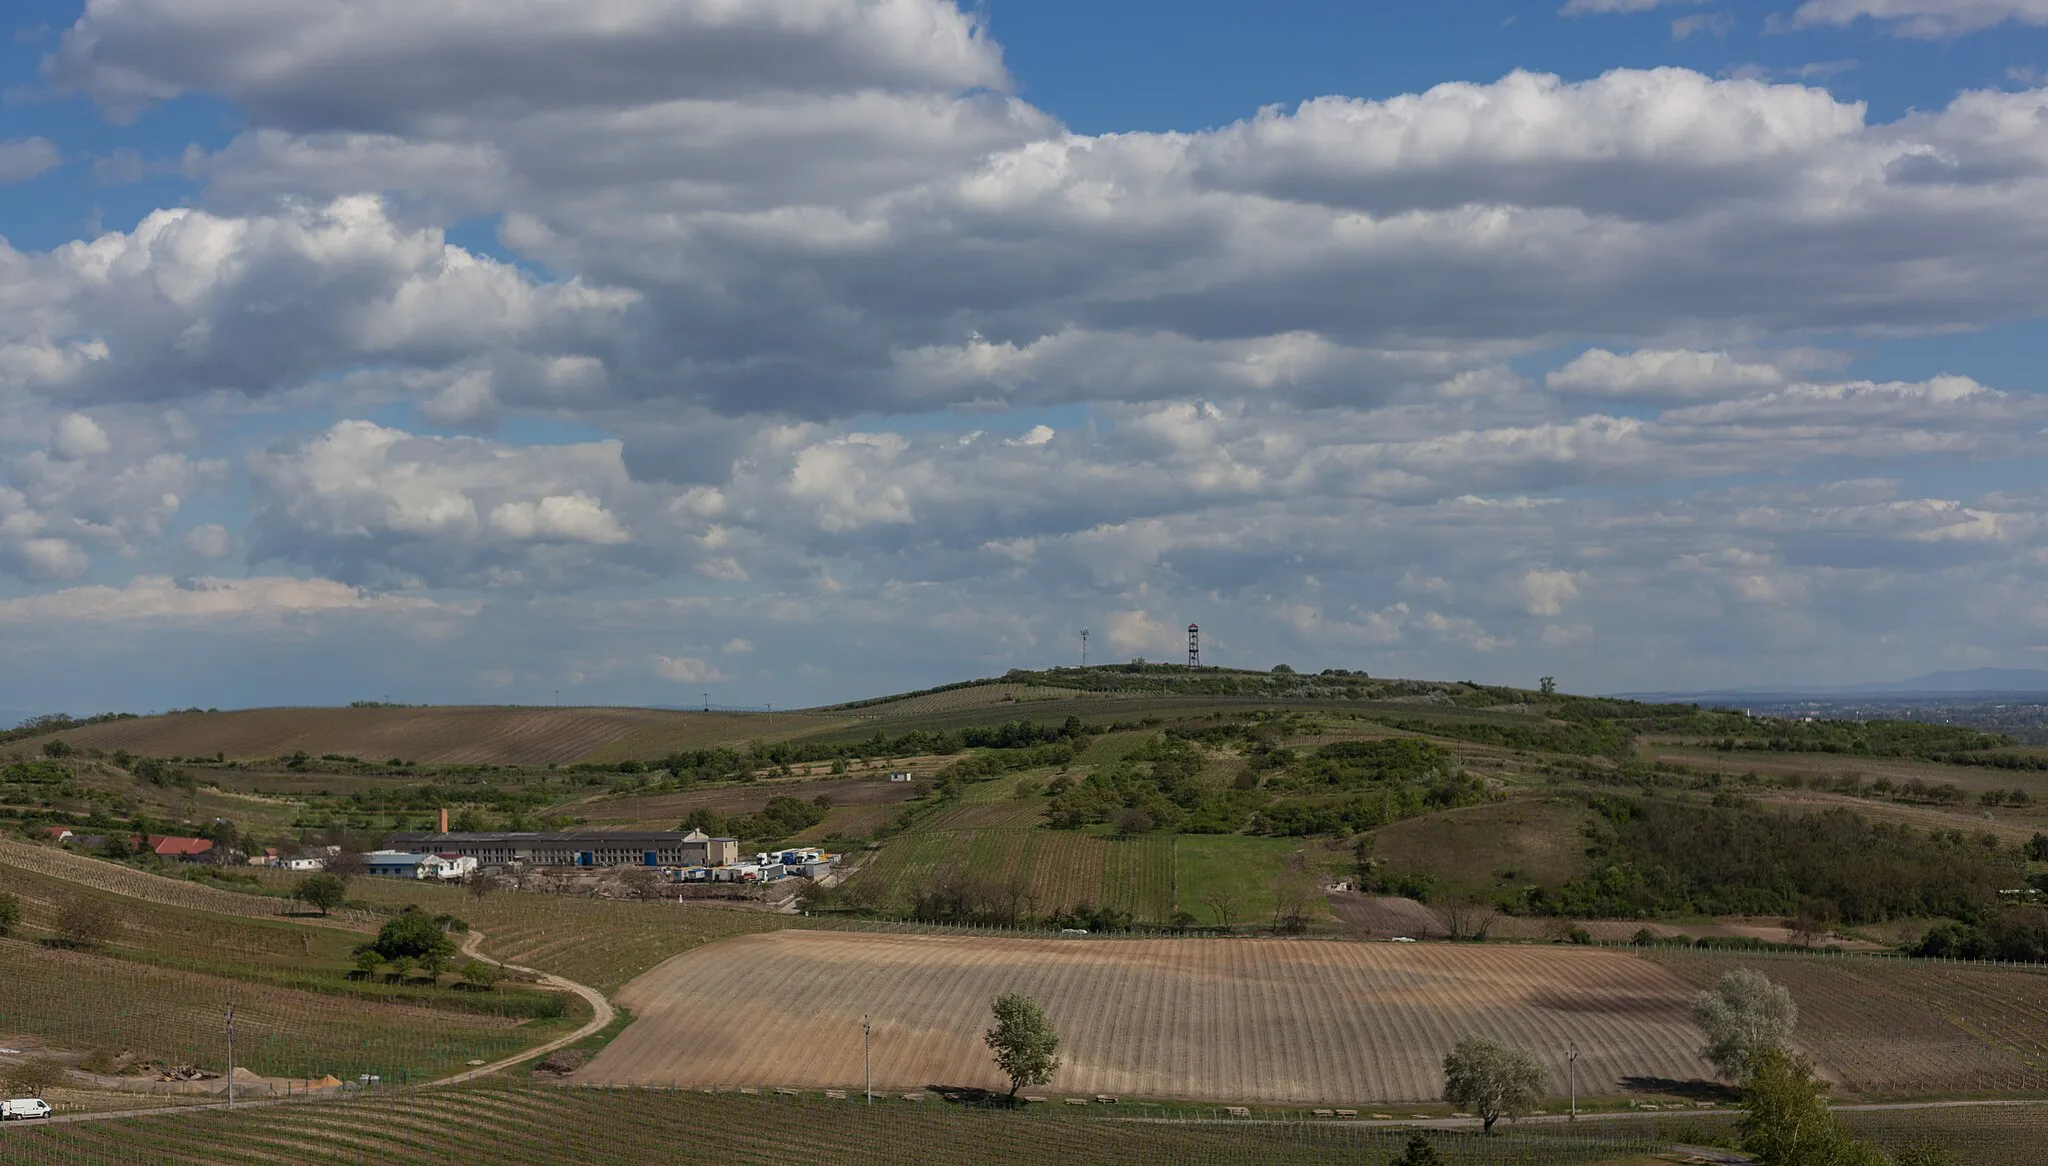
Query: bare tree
{"points": [[1224, 902], [1814, 922], [1466, 917], [83, 923]]}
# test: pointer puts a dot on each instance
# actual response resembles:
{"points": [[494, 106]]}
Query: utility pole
{"points": [[1084, 647], [867, 1075], [1571, 1060], [231, 1056]]}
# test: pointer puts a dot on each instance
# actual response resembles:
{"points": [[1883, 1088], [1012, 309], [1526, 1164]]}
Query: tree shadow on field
{"points": [[975, 1097], [1696, 1089]]}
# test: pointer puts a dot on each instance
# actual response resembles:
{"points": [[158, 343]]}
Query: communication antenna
{"points": [[1194, 646], [1084, 647]]}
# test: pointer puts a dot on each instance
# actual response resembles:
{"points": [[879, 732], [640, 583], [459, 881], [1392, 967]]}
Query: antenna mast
{"points": [[1084, 647], [1194, 646]]}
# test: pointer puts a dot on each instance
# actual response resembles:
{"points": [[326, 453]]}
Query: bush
{"points": [[10, 912]]}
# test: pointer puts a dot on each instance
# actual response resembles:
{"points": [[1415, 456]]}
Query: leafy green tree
{"points": [[323, 891], [1786, 1120], [1419, 1152], [413, 936], [10, 912], [1025, 1046], [58, 747], [1492, 1079], [1743, 1015], [367, 960], [479, 974], [1547, 686]]}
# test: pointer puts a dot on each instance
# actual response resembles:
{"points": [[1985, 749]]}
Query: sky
{"points": [[778, 353]]}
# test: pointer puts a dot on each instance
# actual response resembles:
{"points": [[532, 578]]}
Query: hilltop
{"points": [[537, 736]]}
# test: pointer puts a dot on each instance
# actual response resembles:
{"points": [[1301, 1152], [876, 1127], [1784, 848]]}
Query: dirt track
{"points": [[1252, 1020]]}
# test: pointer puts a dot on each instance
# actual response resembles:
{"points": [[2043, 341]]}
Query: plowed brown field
{"points": [[1255, 1020], [441, 736]]}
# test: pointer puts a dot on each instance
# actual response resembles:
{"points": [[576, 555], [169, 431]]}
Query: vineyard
{"points": [[85, 1002], [1890, 1027], [665, 810], [517, 1125], [1251, 1020], [599, 942], [135, 884], [437, 736]]}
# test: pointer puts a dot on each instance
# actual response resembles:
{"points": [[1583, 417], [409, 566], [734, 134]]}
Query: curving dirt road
{"points": [[601, 1018]]}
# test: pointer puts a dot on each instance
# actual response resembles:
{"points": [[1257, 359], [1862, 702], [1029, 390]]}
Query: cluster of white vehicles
{"points": [[20, 1109]]}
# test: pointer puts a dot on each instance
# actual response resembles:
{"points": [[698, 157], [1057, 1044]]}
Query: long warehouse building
{"points": [[594, 848]]}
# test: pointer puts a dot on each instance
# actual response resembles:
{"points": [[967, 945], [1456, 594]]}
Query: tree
{"points": [[1786, 1120], [323, 891], [30, 1078], [347, 863], [1467, 917], [1025, 1046], [1492, 1079], [57, 747], [367, 960], [1223, 901], [412, 935], [1814, 922], [10, 912], [1743, 1015], [479, 884], [1547, 686], [1420, 1152], [83, 923], [479, 975]]}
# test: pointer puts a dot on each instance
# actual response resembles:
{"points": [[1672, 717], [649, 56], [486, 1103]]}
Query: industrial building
{"points": [[594, 848]]}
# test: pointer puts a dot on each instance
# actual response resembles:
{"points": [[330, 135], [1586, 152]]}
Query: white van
{"points": [[24, 1108]]}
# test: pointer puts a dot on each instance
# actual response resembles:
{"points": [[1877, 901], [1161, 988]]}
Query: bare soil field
{"points": [[1380, 917], [1893, 1027], [1268, 1020], [438, 736]]}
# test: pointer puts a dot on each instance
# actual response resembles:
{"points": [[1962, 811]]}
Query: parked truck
{"points": [[24, 1108]]}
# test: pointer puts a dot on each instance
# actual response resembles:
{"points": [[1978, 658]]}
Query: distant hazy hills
{"points": [[1967, 681]]}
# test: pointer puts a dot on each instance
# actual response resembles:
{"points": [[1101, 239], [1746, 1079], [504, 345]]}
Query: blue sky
{"points": [[647, 350]]}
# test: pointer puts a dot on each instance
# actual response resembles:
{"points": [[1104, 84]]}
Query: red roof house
{"points": [[188, 849], [58, 833]]}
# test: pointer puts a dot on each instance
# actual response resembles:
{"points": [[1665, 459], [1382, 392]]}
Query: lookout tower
{"points": [[1194, 646]]}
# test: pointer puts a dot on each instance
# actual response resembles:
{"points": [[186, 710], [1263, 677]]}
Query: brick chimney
{"points": [[444, 819]]}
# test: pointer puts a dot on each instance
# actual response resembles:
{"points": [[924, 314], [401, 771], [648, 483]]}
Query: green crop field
{"points": [[515, 1125]]}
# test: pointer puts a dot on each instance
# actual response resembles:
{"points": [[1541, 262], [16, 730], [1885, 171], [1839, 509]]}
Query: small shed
{"points": [[900, 775]]}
